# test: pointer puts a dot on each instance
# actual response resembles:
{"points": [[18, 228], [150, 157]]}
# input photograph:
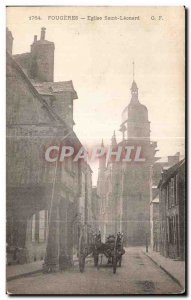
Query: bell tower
{"points": [[137, 176], [135, 124]]}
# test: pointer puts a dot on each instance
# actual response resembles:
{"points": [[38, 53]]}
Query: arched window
{"points": [[39, 226]]}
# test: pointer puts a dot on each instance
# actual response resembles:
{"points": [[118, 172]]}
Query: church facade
{"points": [[125, 187]]}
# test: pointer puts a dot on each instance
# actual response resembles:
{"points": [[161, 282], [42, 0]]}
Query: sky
{"points": [[97, 56]]}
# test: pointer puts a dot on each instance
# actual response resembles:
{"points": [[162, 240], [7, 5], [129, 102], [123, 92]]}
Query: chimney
{"points": [[174, 159], [43, 32], [42, 59], [9, 41]]}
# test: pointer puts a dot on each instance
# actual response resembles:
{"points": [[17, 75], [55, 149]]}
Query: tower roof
{"points": [[134, 86], [134, 93], [135, 111]]}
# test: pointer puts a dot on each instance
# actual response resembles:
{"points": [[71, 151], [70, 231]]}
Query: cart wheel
{"points": [[82, 263], [114, 263], [120, 260]]}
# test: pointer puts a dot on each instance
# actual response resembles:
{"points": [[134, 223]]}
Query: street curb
{"points": [[168, 273], [33, 272], [23, 275]]}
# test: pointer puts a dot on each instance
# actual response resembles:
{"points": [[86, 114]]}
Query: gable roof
{"points": [[58, 120], [170, 172], [51, 113]]}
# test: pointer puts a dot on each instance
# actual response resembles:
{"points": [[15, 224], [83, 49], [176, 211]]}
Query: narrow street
{"points": [[138, 275]]}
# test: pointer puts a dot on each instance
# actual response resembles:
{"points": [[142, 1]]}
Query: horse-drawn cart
{"points": [[112, 249]]}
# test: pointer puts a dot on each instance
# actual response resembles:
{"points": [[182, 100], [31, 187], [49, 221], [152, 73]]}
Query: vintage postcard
{"points": [[95, 133]]}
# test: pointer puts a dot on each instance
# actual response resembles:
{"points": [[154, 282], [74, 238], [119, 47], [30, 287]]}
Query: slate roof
{"points": [[49, 88], [170, 172], [44, 88], [23, 60]]}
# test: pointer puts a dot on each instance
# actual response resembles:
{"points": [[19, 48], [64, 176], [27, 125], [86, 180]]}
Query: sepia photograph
{"points": [[95, 150]]}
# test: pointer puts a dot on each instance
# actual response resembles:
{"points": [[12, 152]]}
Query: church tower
{"points": [[138, 126], [125, 187], [136, 176]]}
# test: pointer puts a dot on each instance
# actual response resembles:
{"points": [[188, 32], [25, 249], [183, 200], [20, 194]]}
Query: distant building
{"points": [[172, 211], [95, 208], [155, 223], [48, 204], [125, 187]]}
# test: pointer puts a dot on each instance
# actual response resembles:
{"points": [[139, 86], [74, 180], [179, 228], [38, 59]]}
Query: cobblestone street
{"points": [[138, 275], [95, 161]]}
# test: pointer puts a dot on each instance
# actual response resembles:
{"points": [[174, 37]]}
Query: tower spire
{"points": [[134, 88], [133, 70], [113, 139], [102, 159]]}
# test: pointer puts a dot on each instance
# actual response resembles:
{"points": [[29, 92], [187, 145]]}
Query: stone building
{"points": [[125, 187], [172, 211], [158, 167], [48, 204]]}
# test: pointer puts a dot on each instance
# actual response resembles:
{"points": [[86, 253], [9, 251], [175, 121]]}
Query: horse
{"points": [[112, 242]]}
